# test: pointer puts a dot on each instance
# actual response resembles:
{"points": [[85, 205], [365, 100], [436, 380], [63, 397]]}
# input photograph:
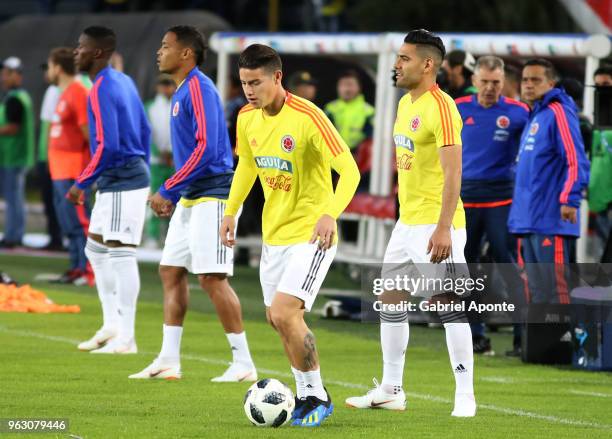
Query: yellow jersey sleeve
{"points": [[245, 173], [345, 166], [445, 121]]}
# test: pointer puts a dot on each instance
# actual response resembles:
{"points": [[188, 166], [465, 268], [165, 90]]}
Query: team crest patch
{"points": [[175, 109], [503, 122], [288, 143], [534, 128], [415, 123]]}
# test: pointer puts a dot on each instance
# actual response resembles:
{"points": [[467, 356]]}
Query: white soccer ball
{"points": [[269, 403]]}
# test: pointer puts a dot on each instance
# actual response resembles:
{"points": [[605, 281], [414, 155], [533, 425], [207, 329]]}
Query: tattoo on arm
{"points": [[310, 357]]}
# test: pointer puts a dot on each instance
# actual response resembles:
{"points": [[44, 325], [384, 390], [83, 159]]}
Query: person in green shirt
{"points": [[350, 113], [600, 184], [16, 149]]}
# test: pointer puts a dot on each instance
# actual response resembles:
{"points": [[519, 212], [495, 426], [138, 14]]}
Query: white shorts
{"points": [[193, 240], [119, 216], [406, 253], [297, 270]]}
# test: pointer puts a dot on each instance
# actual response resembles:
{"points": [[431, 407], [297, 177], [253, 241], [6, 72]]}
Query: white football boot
{"points": [[118, 346], [377, 398], [101, 337], [159, 370], [465, 406], [236, 373]]}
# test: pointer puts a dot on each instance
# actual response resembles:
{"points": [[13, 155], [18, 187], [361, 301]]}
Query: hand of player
{"points": [[568, 213], [227, 230], [75, 195], [324, 232], [439, 244], [161, 206]]}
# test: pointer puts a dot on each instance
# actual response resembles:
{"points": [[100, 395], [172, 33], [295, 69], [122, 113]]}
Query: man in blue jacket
{"points": [[199, 189], [492, 127], [120, 136], [551, 173]]}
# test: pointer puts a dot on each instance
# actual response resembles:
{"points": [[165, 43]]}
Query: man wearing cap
{"points": [[158, 111], [459, 66], [302, 84], [16, 149]]}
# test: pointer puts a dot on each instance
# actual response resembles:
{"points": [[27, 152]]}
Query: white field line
{"points": [[426, 397], [509, 380], [597, 394]]}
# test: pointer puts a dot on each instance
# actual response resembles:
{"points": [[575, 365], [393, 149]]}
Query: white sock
{"points": [[300, 385], [127, 278], [98, 256], [171, 343], [394, 342], [313, 384], [240, 348], [461, 354]]}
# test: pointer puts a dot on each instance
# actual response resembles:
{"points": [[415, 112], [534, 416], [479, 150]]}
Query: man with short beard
{"points": [[431, 227]]}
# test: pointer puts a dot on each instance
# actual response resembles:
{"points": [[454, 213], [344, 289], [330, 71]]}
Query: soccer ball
{"points": [[269, 403]]}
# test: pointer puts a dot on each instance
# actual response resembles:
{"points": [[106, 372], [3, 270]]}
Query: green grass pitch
{"points": [[44, 376]]}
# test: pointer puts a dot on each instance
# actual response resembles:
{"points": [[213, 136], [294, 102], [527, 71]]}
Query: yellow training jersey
{"points": [[293, 153], [421, 127]]}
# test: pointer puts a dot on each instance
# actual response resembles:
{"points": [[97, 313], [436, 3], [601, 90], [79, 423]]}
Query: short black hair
{"points": [[190, 37], [549, 68], [603, 70], [104, 37], [64, 57], [260, 55], [350, 73], [424, 39], [512, 73], [574, 88], [456, 57]]}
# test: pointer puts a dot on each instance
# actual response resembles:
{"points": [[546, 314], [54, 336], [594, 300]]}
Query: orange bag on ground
{"points": [[26, 299]]}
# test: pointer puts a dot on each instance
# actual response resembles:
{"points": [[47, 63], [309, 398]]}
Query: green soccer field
{"points": [[44, 376]]}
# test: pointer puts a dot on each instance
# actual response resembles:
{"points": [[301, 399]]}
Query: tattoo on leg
{"points": [[310, 357]]}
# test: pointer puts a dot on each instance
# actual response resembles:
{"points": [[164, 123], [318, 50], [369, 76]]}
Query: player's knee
{"points": [[169, 275], [270, 322], [280, 318], [212, 283]]}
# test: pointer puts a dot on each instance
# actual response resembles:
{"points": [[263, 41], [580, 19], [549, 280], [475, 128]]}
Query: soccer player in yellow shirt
{"points": [[431, 228], [291, 145]]}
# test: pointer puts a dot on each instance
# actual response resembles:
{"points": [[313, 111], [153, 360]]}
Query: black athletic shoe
{"points": [[9, 244], [515, 352], [482, 344]]}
